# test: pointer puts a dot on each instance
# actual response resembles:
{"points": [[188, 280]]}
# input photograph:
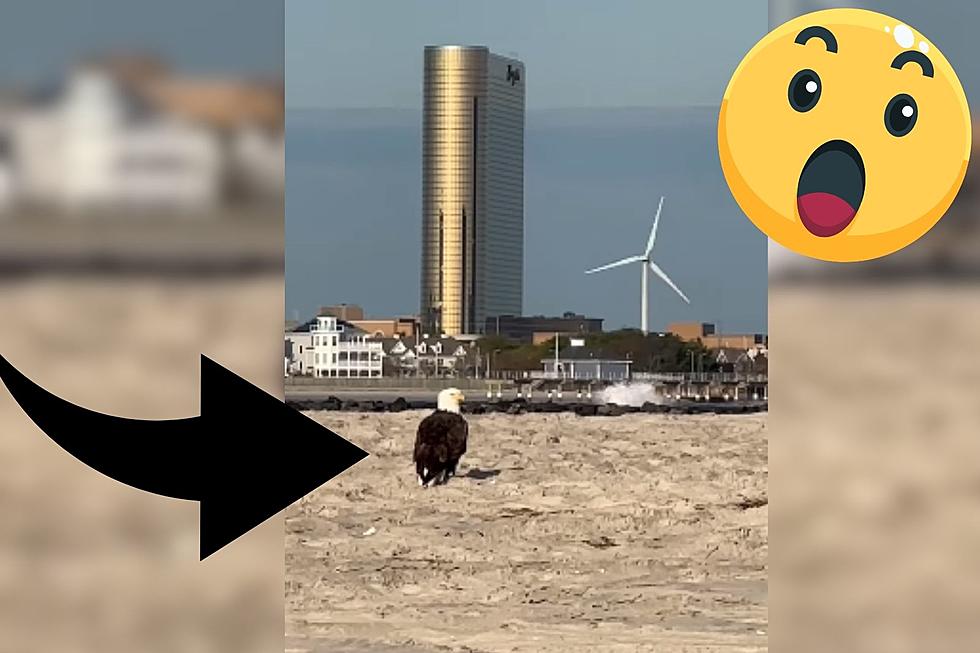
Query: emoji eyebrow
{"points": [[914, 56], [817, 32]]}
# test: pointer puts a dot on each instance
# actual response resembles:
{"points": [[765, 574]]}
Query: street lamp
{"points": [[490, 361]]}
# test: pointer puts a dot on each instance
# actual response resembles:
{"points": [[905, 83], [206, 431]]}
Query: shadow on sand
{"points": [[482, 474]]}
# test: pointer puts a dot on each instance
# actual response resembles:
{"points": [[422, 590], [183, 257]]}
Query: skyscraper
{"points": [[472, 188]]}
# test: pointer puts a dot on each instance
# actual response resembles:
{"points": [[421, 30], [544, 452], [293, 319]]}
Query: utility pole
{"points": [[556, 355]]}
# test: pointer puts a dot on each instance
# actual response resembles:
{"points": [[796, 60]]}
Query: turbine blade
{"points": [[653, 232], [663, 275], [616, 264]]}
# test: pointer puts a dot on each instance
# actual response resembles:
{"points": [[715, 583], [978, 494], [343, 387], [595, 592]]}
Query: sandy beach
{"points": [[635, 533]]}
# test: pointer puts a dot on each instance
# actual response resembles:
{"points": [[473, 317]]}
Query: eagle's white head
{"points": [[450, 400]]}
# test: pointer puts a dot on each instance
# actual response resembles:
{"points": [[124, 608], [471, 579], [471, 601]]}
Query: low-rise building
{"points": [[124, 132], [440, 356], [346, 312], [710, 337], [524, 328], [742, 361], [298, 353], [337, 354], [428, 357], [326, 347], [586, 366], [389, 327], [399, 357]]}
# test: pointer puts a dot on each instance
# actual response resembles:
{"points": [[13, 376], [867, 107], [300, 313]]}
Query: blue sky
{"points": [[38, 38], [579, 53]]}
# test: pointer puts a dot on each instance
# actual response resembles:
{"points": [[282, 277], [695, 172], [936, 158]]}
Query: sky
{"points": [[38, 38], [622, 107], [578, 53]]}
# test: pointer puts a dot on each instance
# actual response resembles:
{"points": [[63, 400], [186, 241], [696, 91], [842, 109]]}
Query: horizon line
{"points": [[696, 105]]}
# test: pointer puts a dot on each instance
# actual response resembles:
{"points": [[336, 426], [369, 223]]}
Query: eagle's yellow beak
{"points": [[460, 397]]}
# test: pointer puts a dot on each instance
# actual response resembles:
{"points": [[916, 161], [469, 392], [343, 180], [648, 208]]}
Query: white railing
{"points": [[666, 377], [700, 377]]}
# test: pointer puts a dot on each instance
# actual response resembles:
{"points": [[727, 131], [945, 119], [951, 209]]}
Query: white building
{"points": [[340, 355], [95, 143], [298, 353], [94, 146]]}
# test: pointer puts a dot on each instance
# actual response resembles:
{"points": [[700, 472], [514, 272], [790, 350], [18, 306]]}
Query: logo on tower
{"points": [[513, 74]]}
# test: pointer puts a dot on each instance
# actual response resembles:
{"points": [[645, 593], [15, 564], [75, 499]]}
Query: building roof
{"points": [[387, 344], [730, 354], [448, 344], [219, 103], [349, 329]]}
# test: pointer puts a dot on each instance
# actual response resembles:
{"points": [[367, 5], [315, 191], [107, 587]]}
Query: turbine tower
{"points": [[646, 264]]}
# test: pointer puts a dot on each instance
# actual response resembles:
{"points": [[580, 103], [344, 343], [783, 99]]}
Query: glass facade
{"points": [[472, 188]]}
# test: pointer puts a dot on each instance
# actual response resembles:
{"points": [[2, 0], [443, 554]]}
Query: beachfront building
{"points": [[298, 353], [733, 360], [430, 357], [584, 367], [124, 132], [94, 146], [440, 356], [337, 354], [472, 188]]}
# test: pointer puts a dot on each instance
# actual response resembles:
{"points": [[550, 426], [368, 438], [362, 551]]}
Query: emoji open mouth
{"points": [[831, 188]]}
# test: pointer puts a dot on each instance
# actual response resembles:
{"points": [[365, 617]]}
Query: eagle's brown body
{"points": [[439, 444]]}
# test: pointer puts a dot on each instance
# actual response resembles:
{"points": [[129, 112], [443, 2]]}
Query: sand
{"points": [[87, 564], [637, 533]]}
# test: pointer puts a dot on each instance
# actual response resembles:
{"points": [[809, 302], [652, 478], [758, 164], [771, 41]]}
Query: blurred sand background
{"points": [[874, 465], [86, 563], [636, 533]]}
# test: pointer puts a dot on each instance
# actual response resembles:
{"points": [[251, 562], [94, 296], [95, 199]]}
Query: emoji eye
{"points": [[804, 90], [900, 115]]}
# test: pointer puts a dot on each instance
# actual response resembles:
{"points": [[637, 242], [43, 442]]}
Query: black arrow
{"points": [[245, 458]]}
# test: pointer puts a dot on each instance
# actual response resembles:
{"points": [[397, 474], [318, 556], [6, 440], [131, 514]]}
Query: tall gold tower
{"points": [[472, 188]]}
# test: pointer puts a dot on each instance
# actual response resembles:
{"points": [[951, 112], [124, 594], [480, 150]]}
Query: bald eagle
{"points": [[441, 440]]}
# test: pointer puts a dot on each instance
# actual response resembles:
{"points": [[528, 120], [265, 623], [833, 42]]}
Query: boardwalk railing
{"points": [[700, 377], [667, 377]]}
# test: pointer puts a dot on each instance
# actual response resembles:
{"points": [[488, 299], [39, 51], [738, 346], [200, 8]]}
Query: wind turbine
{"points": [[646, 264]]}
